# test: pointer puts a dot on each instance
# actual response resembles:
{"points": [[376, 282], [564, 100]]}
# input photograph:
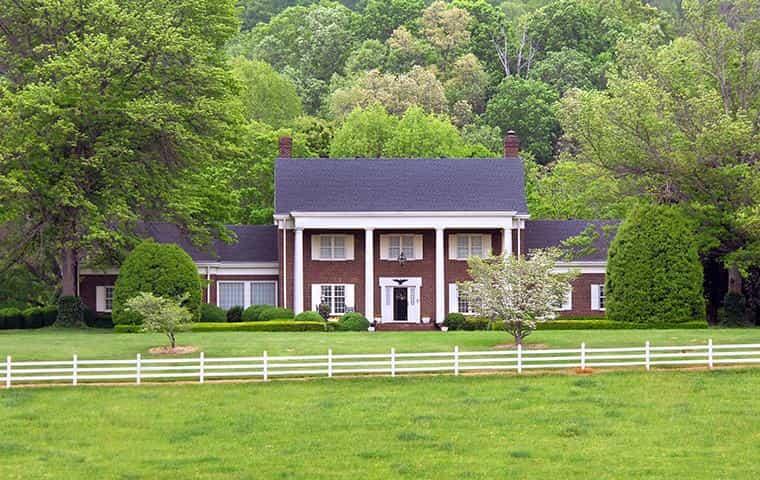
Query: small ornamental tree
{"points": [[654, 274], [164, 270], [518, 291], [162, 315]]}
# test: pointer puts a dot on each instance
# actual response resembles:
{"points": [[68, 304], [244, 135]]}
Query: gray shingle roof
{"points": [[255, 243], [399, 184], [551, 233]]}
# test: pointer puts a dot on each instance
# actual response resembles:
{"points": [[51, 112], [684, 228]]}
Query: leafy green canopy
{"points": [[164, 270], [106, 106], [267, 96], [654, 274]]}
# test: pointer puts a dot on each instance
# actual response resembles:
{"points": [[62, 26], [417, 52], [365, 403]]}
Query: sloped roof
{"points": [[399, 184], [255, 243], [551, 233]]}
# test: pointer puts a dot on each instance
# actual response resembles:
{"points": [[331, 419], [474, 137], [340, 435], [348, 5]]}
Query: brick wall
{"points": [[324, 271], [87, 284], [582, 296]]}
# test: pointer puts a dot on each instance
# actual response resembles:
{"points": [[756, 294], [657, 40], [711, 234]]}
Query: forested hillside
{"points": [[112, 112]]}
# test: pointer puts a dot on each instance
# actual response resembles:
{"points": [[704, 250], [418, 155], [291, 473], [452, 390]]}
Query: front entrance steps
{"points": [[405, 327]]}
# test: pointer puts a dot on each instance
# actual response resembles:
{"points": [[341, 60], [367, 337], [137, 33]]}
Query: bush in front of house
{"points": [[352, 322], [235, 314], [70, 312], [654, 274], [272, 326], [734, 310], [310, 316], [253, 313], [212, 314], [454, 321], [275, 313], [164, 270], [11, 318]]}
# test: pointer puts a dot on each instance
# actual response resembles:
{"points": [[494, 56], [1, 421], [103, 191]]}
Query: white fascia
{"points": [[399, 220], [588, 266], [211, 268]]}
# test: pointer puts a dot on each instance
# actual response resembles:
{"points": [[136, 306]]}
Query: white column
{"points": [[298, 273], [369, 275], [440, 303], [506, 243]]}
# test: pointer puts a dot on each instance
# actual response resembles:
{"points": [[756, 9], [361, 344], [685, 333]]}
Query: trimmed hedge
{"points": [[268, 326], [252, 313], [275, 313], [235, 314], [38, 317], [309, 316], [70, 312], [458, 321], [11, 318], [654, 271], [212, 314], [352, 322], [605, 324], [161, 269]]}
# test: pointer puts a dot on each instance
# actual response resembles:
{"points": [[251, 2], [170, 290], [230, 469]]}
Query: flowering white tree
{"points": [[518, 291]]}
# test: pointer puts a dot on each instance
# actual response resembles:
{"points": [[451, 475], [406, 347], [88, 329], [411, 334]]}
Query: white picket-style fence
{"points": [[201, 368]]}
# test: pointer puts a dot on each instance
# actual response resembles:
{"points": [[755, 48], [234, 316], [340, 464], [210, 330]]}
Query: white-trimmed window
{"points": [[104, 298], [332, 247], [567, 302], [392, 245], [231, 294], [339, 296], [597, 297], [465, 245], [264, 293], [459, 302]]}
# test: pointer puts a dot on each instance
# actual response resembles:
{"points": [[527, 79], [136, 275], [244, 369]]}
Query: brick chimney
{"points": [[286, 147], [511, 144]]}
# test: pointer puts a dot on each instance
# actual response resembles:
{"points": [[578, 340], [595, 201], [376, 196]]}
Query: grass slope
{"points": [[51, 343], [633, 425]]}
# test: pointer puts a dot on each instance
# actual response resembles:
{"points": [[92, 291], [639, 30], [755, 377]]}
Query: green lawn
{"points": [[664, 424], [50, 343]]}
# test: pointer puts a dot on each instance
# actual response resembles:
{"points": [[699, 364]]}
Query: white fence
{"points": [[264, 367]]}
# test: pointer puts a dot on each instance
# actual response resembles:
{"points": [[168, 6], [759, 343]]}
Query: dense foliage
{"points": [[352, 322], [164, 270], [654, 274]]}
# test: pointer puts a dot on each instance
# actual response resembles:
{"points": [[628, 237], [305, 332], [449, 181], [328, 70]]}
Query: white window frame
{"points": [[567, 303], [318, 241], [454, 239], [455, 302], [348, 296], [247, 291], [598, 297], [101, 298], [412, 252]]}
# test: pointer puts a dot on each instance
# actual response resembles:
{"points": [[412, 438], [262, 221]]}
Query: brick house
{"points": [[385, 237]]}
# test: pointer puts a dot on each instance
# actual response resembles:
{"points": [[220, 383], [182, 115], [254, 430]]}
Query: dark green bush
{"points": [[161, 269], [138, 328], [602, 324], [734, 311], [11, 318], [49, 315], [275, 313], [352, 322], [654, 273], [454, 321], [235, 314], [212, 314], [273, 326], [310, 316], [70, 312], [253, 312], [34, 317]]}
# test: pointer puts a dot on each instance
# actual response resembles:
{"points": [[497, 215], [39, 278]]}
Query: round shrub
{"points": [[11, 318], [654, 274], [70, 312], [353, 322], [734, 310], [310, 316], [454, 321], [49, 314], [235, 314], [275, 313], [212, 314], [164, 270], [253, 312]]}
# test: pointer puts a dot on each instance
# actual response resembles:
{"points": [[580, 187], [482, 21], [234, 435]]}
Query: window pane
{"points": [[339, 247], [231, 295], [325, 247], [476, 246], [462, 250], [339, 305], [263, 293], [408, 246], [601, 297], [109, 298]]}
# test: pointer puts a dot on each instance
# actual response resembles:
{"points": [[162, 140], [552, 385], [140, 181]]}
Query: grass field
{"points": [[632, 425], [50, 343]]}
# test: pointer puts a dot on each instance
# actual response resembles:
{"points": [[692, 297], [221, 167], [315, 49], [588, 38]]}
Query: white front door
{"points": [[400, 299]]}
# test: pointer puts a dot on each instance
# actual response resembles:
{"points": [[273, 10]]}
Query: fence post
{"points": [[583, 355], [456, 360], [519, 358], [710, 354], [266, 366], [202, 367], [393, 362], [647, 356], [8, 371], [138, 368], [74, 370], [329, 363]]}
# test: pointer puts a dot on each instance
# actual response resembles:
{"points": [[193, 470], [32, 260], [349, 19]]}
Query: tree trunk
{"points": [[68, 271], [518, 333], [172, 340], [734, 280]]}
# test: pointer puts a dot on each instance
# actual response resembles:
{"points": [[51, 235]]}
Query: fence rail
{"points": [[202, 368]]}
